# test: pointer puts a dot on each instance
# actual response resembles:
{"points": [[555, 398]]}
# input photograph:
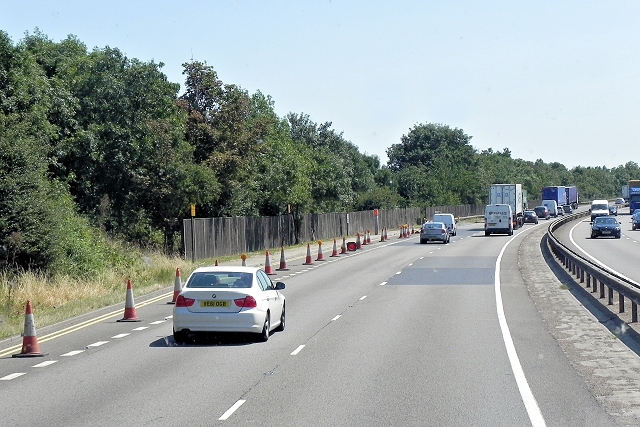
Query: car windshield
{"points": [[220, 279], [604, 220]]}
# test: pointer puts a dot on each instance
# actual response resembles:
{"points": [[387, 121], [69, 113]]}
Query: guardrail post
{"points": [[581, 275], [595, 285], [609, 295], [620, 303], [634, 311], [588, 280], [601, 289], [573, 269]]}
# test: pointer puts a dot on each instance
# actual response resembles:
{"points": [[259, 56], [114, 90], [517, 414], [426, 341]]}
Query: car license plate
{"points": [[606, 232], [224, 304]]}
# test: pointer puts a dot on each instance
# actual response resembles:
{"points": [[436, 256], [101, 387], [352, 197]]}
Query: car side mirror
{"points": [[279, 286]]}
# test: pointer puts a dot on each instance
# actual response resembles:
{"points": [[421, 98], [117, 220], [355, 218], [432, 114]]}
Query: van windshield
{"points": [[600, 207]]}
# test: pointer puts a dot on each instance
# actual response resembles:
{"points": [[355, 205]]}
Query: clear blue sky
{"points": [[551, 80]]}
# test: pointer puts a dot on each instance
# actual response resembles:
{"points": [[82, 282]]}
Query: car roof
{"points": [[227, 268]]}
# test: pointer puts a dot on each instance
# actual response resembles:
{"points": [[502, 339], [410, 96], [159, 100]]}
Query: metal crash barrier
{"points": [[598, 278]]}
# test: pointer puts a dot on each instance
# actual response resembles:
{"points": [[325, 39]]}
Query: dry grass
{"points": [[54, 300]]}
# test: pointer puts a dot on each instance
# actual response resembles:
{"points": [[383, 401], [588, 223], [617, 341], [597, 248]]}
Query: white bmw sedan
{"points": [[228, 299]]}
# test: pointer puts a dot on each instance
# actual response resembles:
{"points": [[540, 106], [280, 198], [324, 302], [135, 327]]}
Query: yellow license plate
{"points": [[224, 304]]}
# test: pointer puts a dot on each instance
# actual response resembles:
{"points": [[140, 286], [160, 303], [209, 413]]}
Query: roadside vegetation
{"points": [[101, 159]]}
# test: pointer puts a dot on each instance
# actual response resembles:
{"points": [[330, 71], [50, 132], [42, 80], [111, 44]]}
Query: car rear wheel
{"points": [[282, 320], [266, 328], [180, 337]]}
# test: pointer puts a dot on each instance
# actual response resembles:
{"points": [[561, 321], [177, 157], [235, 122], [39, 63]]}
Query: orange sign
{"points": [[375, 212]]}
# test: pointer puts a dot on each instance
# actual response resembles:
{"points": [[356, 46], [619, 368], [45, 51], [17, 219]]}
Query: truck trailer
{"points": [[572, 196], [634, 195], [509, 194], [557, 193]]}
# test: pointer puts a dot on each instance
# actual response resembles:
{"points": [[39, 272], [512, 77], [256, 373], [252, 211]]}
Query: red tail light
{"points": [[246, 302], [443, 231], [184, 302]]}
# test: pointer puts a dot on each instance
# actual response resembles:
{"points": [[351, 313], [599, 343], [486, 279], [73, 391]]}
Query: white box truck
{"points": [[509, 194]]}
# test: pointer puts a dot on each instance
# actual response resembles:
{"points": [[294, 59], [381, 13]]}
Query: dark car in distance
{"points": [[613, 210], [542, 212], [635, 220], [529, 217], [605, 226], [567, 209]]}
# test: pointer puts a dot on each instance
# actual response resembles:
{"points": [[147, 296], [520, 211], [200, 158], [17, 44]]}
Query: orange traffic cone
{"points": [[308, 261], [400, 236], [334, 253], [283, 262], [358, 242], [129, 306], [368, 237], [177, 287], [216, 263], [267, 265], [30, 346], [320, 254], [382, 239], [386, 237], [343, 248], [243, 257]]}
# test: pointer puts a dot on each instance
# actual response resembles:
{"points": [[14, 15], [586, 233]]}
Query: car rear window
{"points": [[220, 280]]}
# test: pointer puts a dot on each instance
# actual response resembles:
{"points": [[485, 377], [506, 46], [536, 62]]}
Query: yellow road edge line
{"points": [[82, 325]]}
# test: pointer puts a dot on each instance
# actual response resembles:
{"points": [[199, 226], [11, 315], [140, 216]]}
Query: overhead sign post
{"points": [[375, 214], [193, 234]]}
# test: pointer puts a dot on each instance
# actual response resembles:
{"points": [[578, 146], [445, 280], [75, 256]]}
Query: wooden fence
{"points": [[208, 238]]}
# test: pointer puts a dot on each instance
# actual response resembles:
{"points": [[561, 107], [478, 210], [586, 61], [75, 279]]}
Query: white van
{"points": [[552, 205], [448, 220], [599, 208], [498, 219]]}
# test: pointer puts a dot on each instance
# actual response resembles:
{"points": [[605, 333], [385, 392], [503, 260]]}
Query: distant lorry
{"points": [[557, 193], [634, 195], [572, 196], [498, 218], [625, 192], [509, 194]]}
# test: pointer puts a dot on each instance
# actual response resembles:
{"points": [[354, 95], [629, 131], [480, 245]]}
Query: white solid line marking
{"points": [[421, 257], [169, 317], [97, 344], [43, 364], [141, 328], [120, 335], [383, 283], [73, 353], [12, 376], [535, 416], [157, 322], [297, 350], [336, 318], [231, 410], [410, 264], [399, 272], [362, 297]]}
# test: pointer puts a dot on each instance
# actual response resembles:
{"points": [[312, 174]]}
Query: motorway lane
{"points": [[620, 255], [375, 362]]}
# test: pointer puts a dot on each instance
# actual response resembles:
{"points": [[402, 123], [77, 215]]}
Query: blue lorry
{"points": [[556, 193]]}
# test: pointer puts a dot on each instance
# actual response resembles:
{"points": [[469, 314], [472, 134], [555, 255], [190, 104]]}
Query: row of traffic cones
{"points": [[30, 347]]}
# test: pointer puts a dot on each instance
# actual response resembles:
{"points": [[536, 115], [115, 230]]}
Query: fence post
{"points": [[620, 303]]}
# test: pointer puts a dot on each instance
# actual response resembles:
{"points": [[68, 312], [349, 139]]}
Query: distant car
{"points": [[228, 299], [613, 210], [530, 216], [605, 226], [431, 231], [567, 209], [635, 220], [542, 212], [620, 201]]}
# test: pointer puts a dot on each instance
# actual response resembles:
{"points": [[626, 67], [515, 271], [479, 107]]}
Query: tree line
{"points": [[98, 150]]}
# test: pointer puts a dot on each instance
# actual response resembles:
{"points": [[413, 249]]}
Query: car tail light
{"points": [[246, 302], [184, 302], [443, 231]]}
